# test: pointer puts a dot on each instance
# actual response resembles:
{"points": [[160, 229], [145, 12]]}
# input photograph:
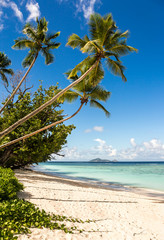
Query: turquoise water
{"points": [[143, 175]]}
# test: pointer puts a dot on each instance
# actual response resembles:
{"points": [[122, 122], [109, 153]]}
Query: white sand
{"points": [[118, 215]]}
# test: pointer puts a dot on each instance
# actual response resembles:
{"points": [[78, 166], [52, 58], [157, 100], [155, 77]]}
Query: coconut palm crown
{"points": [[37, 40], [87, 92], [105, 41], [5, 62]]}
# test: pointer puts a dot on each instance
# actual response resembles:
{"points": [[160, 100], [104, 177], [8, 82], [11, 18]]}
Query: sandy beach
{"points": [[117, 215]]}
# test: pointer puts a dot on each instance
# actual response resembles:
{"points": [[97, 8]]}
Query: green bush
{"points": [[9, 185]]}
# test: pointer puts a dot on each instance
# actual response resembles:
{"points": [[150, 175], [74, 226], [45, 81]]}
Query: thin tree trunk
{"points": [[5, 156], [40, 130], [18, 86], [39, 109]]}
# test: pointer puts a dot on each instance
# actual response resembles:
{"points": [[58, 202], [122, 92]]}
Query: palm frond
{"points": [[7, 70], [49, 57], [4, 63], [79, 67], [4, 78], [122, 49], [116, 68], [52, 45], [91, 46], [75, 77], [99, 93], [109, 28], [68, 96], [97, 74], [51, 36], [42, 26], [75, 41], [96, 26], [30, 32], [111, 54], [94, 103], [125, 34], [23, 43], [28, 59], [4, 60]]}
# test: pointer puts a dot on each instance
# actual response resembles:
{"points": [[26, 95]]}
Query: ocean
{"points": [[148, 175]]}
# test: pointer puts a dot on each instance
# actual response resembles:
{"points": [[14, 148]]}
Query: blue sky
{"points": [[135, 129]]}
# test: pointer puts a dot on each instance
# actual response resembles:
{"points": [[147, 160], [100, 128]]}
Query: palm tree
{"points": [[87, 93], [37, 40], [4, 64], [105, 42]]}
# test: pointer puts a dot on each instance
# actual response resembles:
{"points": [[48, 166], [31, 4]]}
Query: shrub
{"points": [[39, 147], [9, 185]]}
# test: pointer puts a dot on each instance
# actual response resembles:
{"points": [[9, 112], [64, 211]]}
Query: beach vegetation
{"points": [[9, 185], [83, 90], [37, 40], [17, 216], [38, 148], [5, 62], [105, 42]]}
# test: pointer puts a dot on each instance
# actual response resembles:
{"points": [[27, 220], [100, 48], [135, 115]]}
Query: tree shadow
{"points": [[87, 201]]}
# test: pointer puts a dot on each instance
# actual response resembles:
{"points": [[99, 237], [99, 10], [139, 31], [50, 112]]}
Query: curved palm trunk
{"points": [[41, 129], [39, 109], [20, 83]]}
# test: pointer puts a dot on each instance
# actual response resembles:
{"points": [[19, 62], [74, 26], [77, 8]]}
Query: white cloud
{"points": [[17, 12], [3, 3], [150, 150], [70, 154], [13, 6], [88, 130], [95, 128], [84, 6], [132, 141], [100, 141], [1, 27], [98, 128], [33, 8], [104, 149]]}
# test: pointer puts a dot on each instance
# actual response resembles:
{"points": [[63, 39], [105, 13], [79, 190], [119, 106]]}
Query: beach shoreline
{"points": [[119, 214], [157, 194]]}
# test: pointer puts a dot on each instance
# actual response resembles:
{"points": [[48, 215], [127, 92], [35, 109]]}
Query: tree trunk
{"points": [[40, 130], [39, 109], [5, 156], [18, 86]]}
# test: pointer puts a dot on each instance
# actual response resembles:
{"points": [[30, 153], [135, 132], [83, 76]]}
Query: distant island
{"points": [[102, 160]]}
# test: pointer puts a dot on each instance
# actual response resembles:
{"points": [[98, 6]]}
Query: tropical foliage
{"points": [[87, 91], [38, 148], [37, 40], [105, 41], [9, 185], [4, 64], [18, 215]]}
